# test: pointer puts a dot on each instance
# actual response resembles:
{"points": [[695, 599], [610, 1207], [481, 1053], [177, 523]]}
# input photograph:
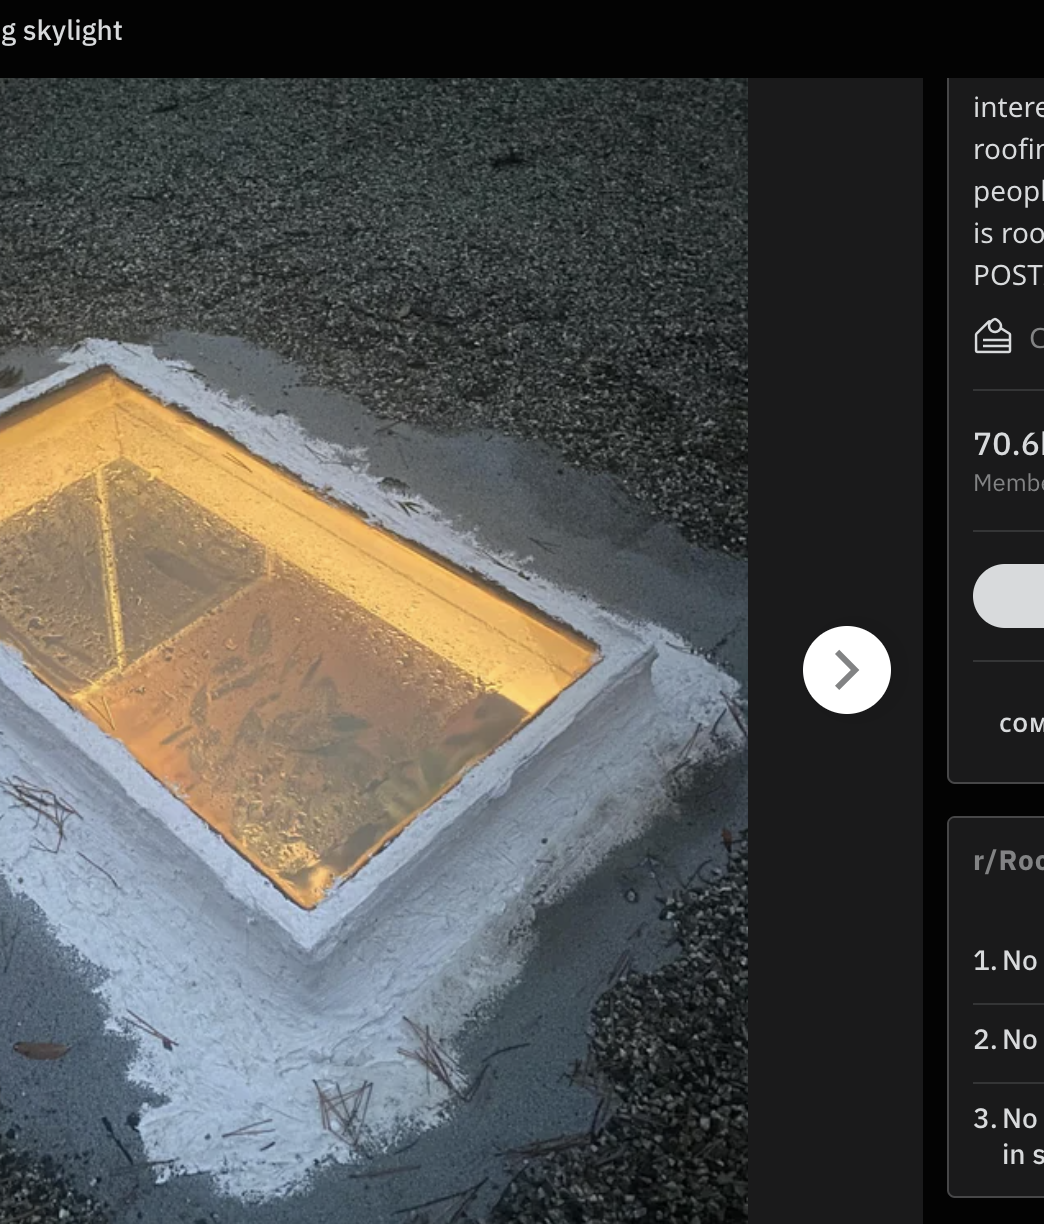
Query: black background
{"points": [[837, 479]]}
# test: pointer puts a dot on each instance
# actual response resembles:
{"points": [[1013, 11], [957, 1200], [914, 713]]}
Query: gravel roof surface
{"points": [[33, 1192], [556, 258], [669, 1058]]}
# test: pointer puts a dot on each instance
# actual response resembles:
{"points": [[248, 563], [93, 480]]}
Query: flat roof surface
{"points": [[526, 300]]}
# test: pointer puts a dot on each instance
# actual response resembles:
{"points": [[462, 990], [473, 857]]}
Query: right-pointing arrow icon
{"points": [[852, 669], [827, 681]]}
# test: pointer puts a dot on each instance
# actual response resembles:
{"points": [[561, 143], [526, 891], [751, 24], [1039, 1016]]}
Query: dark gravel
{"points": [[33, 1192], [556, 258], [669, 1053]]}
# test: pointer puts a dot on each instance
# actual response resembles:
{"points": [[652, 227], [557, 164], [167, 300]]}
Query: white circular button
{"points": [[847, 670]]}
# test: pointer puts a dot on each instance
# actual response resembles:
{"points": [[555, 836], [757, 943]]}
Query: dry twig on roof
{"points": [[168, 1042], [458, 1202], [621, 968], [98, 867], [734, 711], [251, 1128], [45, 803], [542, 1147], [440, 1064], [344, 1113]]}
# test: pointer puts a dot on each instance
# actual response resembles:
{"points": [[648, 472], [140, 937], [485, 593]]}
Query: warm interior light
{"points": [[305, 682]]}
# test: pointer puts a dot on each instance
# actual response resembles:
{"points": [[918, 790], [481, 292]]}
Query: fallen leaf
{"points": [[41, 1049], [726, 840]]}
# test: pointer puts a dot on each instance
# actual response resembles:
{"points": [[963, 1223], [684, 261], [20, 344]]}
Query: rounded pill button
{"points": [[1011, 596]]}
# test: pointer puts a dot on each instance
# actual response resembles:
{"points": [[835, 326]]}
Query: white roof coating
{"points": [[265, 1000]]}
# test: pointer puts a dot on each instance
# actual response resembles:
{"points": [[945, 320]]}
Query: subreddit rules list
{"points": [[996, 430]]}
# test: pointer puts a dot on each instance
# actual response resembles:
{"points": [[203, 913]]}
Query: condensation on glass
{"points": [[303, 681]]}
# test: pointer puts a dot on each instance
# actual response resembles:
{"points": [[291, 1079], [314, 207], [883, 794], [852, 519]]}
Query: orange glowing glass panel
{"points": [[305, 682]]}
